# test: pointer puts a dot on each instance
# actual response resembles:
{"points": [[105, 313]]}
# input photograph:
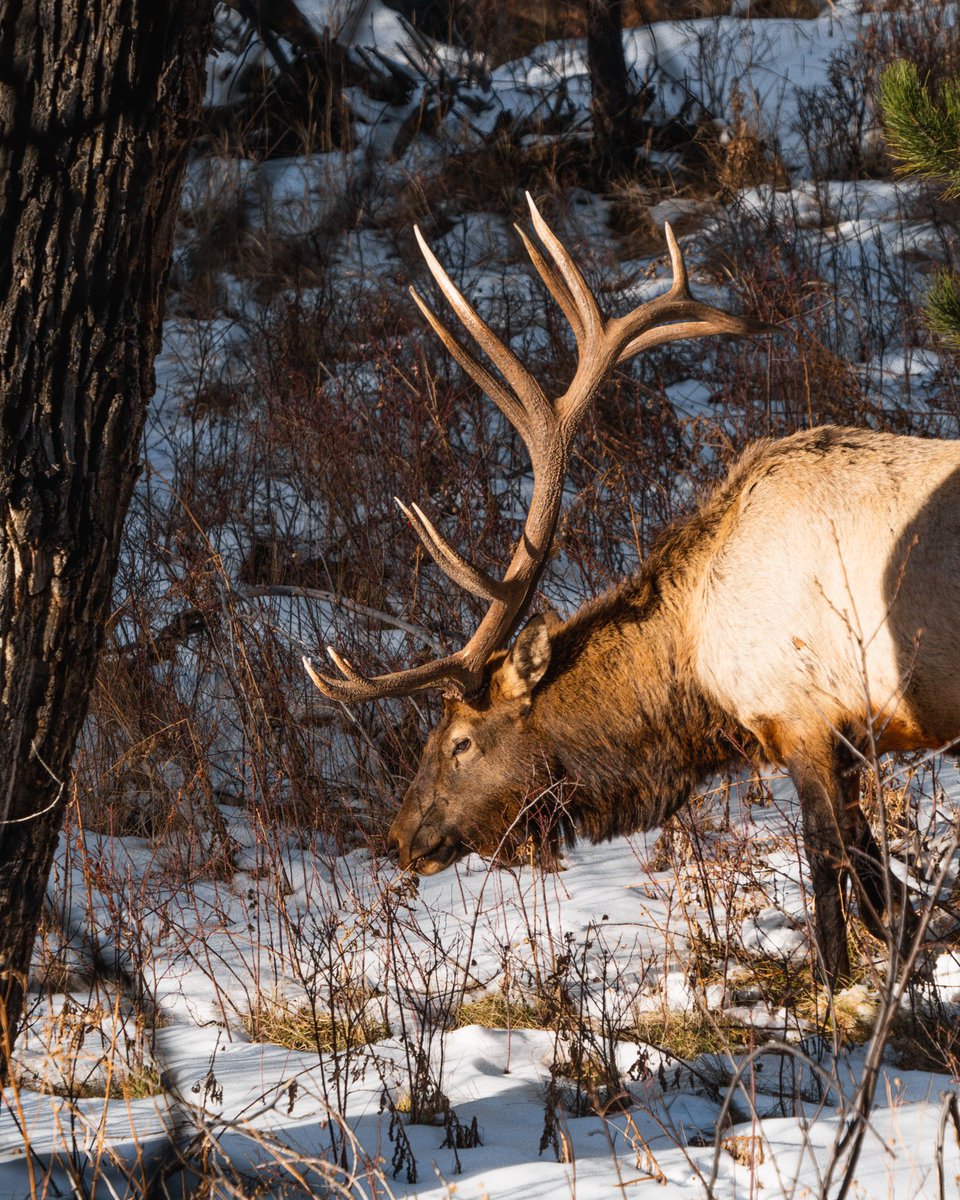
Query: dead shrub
{"points": [[813, 382]]}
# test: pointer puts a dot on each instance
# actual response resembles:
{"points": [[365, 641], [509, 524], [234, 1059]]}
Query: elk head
{"points": [[481, 759]]}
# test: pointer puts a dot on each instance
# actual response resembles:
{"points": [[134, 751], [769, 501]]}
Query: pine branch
{"points": [[923, 130], [942, 308]]}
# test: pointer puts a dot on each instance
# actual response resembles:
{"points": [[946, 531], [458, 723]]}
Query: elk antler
{"points": [[547, 428]]}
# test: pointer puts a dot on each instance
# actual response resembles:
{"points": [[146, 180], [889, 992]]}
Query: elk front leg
{"points": [[818, 789], [868, 867], [840, 844]]}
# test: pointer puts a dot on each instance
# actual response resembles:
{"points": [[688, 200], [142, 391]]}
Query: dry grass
{"points": [[496, 1012], [850, 1016], [281, 1022], [927, 1038], [86, 1049], [138, 1083], [686, 1034]]}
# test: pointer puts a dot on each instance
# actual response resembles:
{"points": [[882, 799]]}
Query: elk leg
{"points": [[869, 871], [817, 790], [866, 865]]}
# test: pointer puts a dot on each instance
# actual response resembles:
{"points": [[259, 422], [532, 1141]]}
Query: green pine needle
{"points": [[943, 308], [923, 130]]}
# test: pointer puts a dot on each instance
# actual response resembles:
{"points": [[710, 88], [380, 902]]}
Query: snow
{"points": [[627, 930], [666, 1132]]}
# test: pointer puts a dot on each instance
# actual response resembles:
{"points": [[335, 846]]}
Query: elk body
{"points": [[805, 614]]}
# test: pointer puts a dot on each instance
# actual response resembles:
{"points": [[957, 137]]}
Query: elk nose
{"points": [[393, 845]]}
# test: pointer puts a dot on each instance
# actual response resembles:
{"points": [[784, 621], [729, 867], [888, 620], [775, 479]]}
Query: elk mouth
{"points": [[441, 855]]}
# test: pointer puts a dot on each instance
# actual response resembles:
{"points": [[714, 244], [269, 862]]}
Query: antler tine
{"points": [[448, 673], [502, 397], [344, 666], [323, 682], [583, 298], [676, 314], [469, 577], [525, 387], [681, 283], [336, 689], [718, 322], [556, 285]]}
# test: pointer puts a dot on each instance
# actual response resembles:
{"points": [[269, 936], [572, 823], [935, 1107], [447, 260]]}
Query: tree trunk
{"points": [[97, 103], [612, 104]]}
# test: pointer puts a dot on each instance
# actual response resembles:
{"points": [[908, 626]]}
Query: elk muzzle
{"points": [[423, 841]]}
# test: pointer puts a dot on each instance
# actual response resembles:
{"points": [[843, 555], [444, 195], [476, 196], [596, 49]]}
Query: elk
{"points": [[805, 614]]}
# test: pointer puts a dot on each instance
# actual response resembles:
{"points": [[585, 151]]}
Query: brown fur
{"points": [[611, 707]]}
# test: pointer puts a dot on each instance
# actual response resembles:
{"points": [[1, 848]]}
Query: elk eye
{"points": [[460, 747]]}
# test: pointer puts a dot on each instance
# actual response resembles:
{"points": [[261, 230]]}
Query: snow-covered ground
{"points": [[607, 924], [638, 937]]}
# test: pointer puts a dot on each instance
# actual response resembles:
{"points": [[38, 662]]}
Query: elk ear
{"points": [[527, 661]]}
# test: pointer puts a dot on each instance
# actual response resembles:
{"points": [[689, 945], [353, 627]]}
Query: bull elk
{"points": [[805, 613]]}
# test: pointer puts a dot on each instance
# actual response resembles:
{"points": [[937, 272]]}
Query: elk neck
{"points": [[620, 717]]}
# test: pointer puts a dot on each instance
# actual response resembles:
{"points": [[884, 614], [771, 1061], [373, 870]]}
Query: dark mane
{"points": [[633, 735], [655, 726]]}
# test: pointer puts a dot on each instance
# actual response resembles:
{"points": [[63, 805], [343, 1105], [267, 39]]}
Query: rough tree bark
{"points": [[612, 104], [97, 102]]}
